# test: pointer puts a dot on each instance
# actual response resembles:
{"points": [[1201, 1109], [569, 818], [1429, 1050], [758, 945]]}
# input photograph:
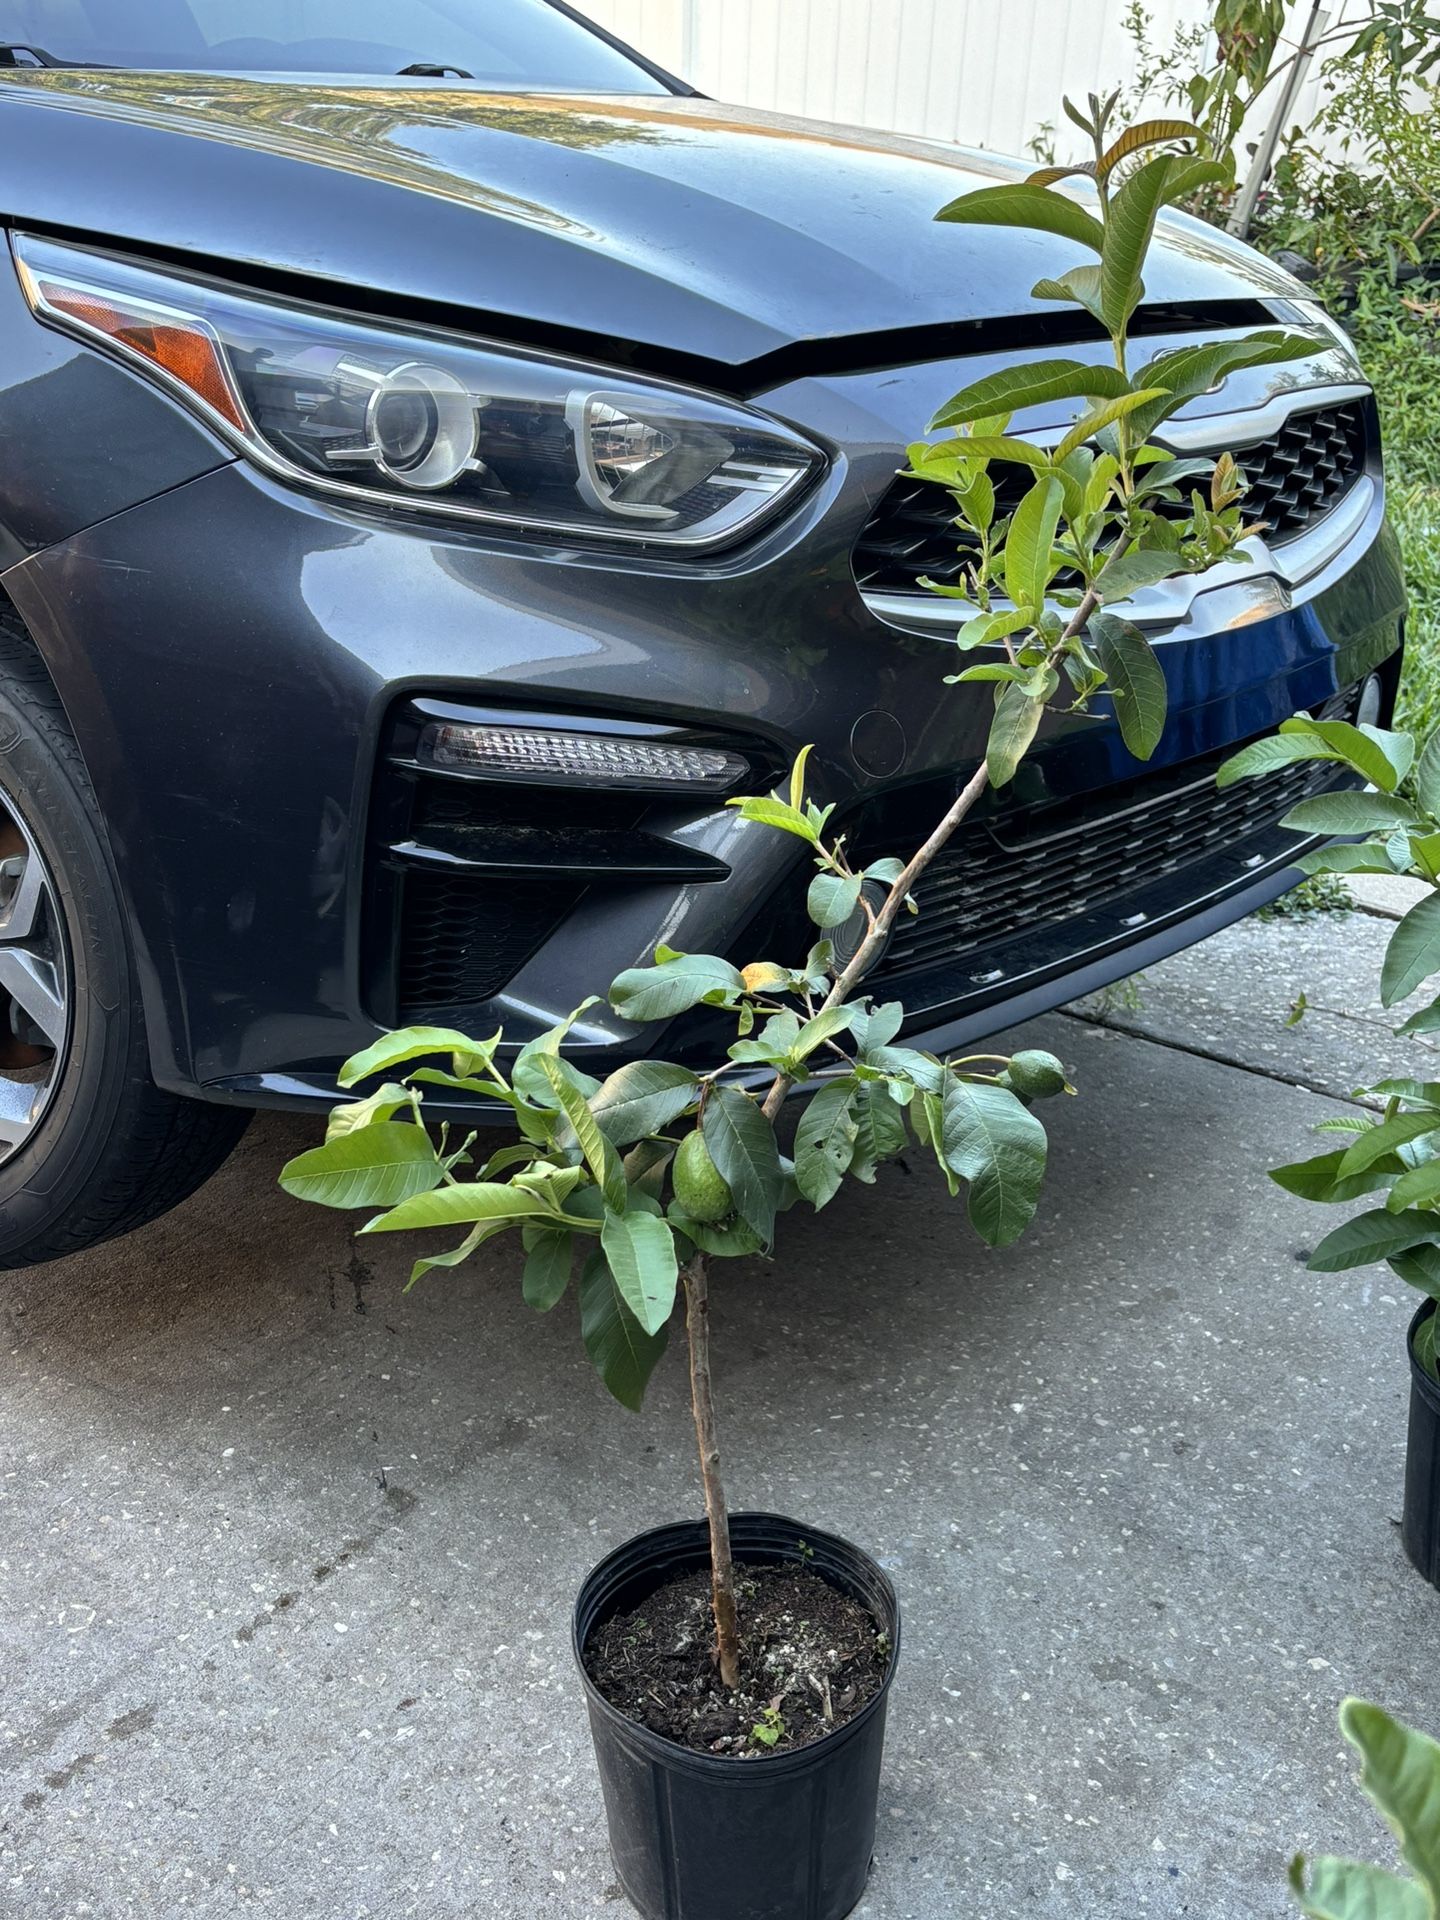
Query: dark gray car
{"points": [[441, 457]]}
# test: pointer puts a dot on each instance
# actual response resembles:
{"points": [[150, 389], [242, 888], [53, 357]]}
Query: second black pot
{"points": [[695, 1836], [1421, 1526]]}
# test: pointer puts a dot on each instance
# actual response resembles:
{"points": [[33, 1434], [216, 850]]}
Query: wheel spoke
{"points": [[34, 983], [34, 986], [27, 876]]}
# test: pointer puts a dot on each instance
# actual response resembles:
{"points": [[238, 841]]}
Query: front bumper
{"points": [[234, 656]]}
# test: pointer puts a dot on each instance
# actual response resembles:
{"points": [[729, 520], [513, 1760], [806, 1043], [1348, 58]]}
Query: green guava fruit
{"points": [[699, 1188]]}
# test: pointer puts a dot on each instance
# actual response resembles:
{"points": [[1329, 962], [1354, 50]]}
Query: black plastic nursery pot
{"points": [[1421, 1527], [698, 1836]]}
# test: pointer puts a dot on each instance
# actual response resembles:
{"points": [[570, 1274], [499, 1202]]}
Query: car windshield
{"points": [[496, 43]]}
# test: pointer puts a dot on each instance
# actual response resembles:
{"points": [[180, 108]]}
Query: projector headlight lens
{"points": [[419, 423], [485, 433]]}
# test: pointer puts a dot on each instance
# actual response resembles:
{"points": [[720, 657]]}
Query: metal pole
{"points": [[1243, 211]]}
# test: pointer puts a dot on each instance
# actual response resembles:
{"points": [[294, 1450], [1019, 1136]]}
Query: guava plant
{"points": [[1400, 1771], [1391, 1157], [645, 1178]]}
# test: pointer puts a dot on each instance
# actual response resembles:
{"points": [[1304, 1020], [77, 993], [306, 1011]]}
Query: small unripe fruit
{"points": [[699, 1188], [1036, 1076]]}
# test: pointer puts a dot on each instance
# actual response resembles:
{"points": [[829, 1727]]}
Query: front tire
{"points": [[89, 1146]]}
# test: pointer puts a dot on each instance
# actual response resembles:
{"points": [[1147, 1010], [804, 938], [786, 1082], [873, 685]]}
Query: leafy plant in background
{"points": [[1372, 248], [1408, 31], [647, 1177], [1355, 212], [1361, 185], [1400, 1771], [1246, 39], [1227, 64], [1391, 1157]]}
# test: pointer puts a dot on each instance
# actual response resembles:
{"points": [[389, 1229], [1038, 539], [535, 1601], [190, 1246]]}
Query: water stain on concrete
{"points": [[398, 1502], [125, 1726]]}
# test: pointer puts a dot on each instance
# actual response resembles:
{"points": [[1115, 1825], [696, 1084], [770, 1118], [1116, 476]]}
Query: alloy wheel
{"points": [[34, 982]]}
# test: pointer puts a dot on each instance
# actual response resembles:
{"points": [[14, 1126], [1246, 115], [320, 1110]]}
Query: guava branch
{"points": [[870, 948]]}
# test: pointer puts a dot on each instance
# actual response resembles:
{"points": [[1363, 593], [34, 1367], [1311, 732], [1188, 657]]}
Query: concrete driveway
{"points": [[286, 1559]]}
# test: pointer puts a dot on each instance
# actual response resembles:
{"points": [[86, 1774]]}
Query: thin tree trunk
{"points": [[702, 1401]]}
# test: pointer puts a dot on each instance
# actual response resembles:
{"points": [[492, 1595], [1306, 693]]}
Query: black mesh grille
{"points": [[465, 938], [1295, 477], [1008, 877], [462, 936], [1299, 474]]}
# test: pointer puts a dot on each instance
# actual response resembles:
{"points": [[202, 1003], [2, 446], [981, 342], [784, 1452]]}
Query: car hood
{"points": [[670, 224]]}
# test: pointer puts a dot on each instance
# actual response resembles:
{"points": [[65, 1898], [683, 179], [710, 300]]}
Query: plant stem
{"points": [[702, 1402], [870, 947]]}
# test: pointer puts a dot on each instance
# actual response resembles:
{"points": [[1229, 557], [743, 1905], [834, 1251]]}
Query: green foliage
{"points": [[1097, 523], [371, 1164], [988, 1138], [1397, 1152], [769, 1729], [1137, 684], [1415, 515], [620, 1350], [1220, 67], [1400, 1771], [641, 1171], [677, 982], [1356, 195], [1359, 238], [1321, 893]]}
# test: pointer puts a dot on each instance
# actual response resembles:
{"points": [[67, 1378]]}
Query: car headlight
{"points": [[393, 415]]}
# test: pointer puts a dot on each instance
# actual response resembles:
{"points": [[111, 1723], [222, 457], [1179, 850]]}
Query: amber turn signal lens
{"points": [[187, 354]]}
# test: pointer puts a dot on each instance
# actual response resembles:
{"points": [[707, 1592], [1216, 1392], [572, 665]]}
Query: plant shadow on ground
{"points": [[894, 1272]]}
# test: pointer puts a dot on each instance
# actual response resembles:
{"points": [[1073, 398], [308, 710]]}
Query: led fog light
{"points": [[577, 759]]}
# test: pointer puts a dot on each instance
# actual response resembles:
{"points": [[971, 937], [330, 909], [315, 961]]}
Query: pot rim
{"points": [[726, 1766]]}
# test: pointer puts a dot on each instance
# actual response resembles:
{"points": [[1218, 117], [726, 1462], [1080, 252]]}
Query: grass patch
{"points": [[1317, 893], [1415, 513], [1400, 351]]}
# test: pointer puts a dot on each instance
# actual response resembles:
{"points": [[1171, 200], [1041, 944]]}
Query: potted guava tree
{"points": [[761, 1751], [1390, 1158]]}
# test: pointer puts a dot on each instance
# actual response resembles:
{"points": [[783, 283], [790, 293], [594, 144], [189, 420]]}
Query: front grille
{"points": [[1296, 476], [1015, 874]]}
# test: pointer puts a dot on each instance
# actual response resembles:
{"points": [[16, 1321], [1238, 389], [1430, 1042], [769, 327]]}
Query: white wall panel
{"points": [[986, 73]]}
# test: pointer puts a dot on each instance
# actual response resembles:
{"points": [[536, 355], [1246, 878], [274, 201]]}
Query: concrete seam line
{"points": [[1220, 1059]]}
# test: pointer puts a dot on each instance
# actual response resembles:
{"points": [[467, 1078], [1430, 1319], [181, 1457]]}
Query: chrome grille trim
{"points": [[1289, 560]]}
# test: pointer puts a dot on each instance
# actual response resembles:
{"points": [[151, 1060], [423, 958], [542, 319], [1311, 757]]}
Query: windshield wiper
{"points": [[38, 57], [424, 70]]}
